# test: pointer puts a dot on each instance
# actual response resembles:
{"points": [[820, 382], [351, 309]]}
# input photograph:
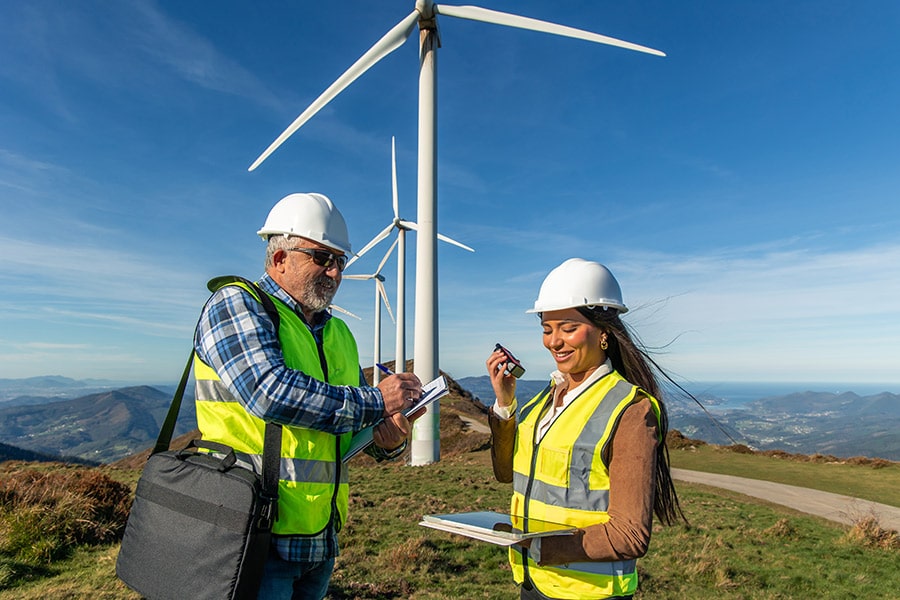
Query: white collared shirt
{"points": [[508, 412]]}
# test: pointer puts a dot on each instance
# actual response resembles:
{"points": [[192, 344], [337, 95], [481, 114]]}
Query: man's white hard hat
{"points": [[578, 282], [310, 215]]}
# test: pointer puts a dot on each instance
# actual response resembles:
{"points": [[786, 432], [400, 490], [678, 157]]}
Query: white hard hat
{"points": [[312, 216], [578, 282]]}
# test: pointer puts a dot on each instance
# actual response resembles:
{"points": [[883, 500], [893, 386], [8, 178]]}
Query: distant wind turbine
{"points": [[402, 226], [426, 436], [380, 295]]}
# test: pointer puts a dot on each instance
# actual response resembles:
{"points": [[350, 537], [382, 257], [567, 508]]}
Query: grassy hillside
{"points": [[870, 479], [733, 548]]}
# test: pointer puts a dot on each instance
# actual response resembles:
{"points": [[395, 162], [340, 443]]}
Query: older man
{"points": [[302, 373]]}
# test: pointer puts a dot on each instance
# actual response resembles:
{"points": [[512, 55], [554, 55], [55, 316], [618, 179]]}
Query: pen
{"points": [[384, 369]]}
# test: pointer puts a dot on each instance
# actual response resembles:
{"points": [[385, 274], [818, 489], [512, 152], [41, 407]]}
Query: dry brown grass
{"points": [[868, 532], [48, 510]]}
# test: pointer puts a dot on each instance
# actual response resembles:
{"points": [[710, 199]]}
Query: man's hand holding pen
{"points": [[400, 391]]}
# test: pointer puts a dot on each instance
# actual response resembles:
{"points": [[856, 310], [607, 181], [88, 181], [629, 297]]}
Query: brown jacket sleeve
{"points": [[632, 474], [503, 434]]}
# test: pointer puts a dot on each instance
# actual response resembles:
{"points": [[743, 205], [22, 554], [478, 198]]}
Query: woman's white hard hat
{"points": [[578, 282], [310, 215]]}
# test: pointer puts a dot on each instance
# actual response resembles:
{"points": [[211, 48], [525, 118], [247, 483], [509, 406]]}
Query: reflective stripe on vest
{"points": [[312, 484], [564, 478]]}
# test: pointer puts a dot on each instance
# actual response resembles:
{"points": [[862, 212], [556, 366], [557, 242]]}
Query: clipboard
{"points": [[431, 392], [494, 527]]}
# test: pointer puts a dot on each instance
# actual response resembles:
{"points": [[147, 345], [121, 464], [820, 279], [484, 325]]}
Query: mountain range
{"points": [[108, 425], [839, 424], [100, 427]]}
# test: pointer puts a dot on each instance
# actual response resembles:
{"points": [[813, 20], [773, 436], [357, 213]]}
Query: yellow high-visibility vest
{"points": [[313, 483], [564, 478]]}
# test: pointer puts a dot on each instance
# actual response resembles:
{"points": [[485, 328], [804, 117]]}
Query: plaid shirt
{"points": [[239, 341]]}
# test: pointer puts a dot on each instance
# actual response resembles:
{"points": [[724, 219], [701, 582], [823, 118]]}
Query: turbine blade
{"points": [[394, 179], [345, 311], [357, 276], [385, 299], [386, 256], [414, 227], [392, 40], [444, 238], [474, 13], [381, 235]]}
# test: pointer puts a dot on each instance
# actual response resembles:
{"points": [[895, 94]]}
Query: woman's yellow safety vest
{"points": [[564, 478], [313, 486]]}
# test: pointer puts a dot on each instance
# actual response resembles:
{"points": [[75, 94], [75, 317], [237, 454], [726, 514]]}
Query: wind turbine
{"points": [[380, 295], [426, 436], [402, 226]]}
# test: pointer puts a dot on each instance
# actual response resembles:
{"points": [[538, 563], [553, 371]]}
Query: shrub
{"points": [[875, 463], [869, 533], [675, 440], [45, 513], [740, 449]]}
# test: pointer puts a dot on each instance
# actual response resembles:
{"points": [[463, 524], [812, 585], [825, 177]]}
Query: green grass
{"points": [[734, 548], [89, 574], [741, 550], [860, 481]]}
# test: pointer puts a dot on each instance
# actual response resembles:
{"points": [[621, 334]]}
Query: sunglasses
{"points": [[324, 258]]}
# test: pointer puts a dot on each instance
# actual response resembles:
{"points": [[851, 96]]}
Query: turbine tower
{"points": [[380, 296], [402, 226], [426, 436]]}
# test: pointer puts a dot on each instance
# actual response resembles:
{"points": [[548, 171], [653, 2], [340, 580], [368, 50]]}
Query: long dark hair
{"points": [[628, 357]]}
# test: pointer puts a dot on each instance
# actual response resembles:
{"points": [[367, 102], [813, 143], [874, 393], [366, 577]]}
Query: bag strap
{"points": [[271, 466], [168, 426]]}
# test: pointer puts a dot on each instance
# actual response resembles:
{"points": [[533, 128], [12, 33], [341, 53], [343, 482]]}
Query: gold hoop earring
{"points": [[603, 345]]}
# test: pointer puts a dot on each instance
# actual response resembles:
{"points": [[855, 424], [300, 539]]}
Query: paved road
{"points": [[835, 507], [475, 425]]}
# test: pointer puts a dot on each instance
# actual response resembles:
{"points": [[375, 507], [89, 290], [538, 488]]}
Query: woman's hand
{"points": [[504, 385]]}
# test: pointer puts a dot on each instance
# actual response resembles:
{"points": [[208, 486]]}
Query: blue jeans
{"points": [[283, 580]]}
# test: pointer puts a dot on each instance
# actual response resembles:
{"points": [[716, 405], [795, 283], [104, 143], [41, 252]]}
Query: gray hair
{"points": [[276, 243]]}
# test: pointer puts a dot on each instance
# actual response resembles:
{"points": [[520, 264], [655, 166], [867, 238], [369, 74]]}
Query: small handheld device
{"points": [[513, 366]]}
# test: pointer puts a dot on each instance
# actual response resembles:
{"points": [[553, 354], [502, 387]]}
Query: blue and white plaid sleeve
{"points": [[238, 340]]}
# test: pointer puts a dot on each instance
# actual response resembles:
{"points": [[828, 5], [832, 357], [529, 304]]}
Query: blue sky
{"points": [[743, 189]]}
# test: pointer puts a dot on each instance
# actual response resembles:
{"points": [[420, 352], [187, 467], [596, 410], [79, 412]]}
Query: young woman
{"points": [[589, 450]]}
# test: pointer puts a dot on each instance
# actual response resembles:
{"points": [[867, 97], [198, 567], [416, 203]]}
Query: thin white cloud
{"points": [[740, 313], [47, 346], [193, 57], [95, 282], [781, 314], [115, 45]]}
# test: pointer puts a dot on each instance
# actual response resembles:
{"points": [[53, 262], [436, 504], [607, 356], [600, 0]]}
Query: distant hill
{"points": [[99, 427], [8, 452], [480, 388], [50, 388], [843, 424]]}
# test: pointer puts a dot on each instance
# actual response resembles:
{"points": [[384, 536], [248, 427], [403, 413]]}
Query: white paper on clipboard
{"points": [[431, 392]]}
